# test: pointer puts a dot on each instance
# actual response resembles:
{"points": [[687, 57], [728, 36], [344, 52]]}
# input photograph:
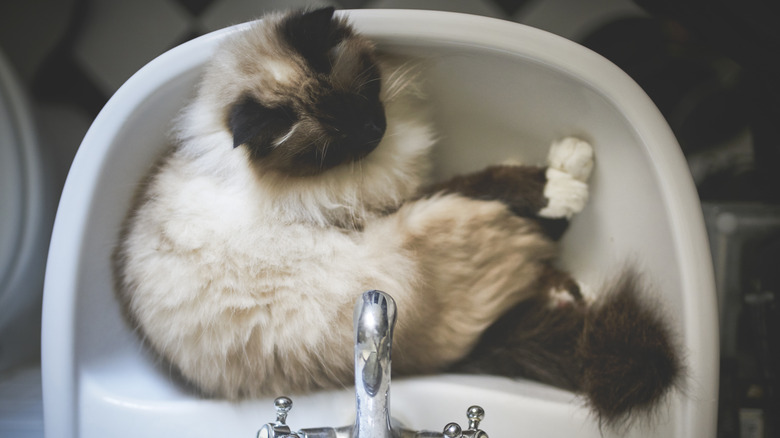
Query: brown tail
{"points": [[618, 351]]}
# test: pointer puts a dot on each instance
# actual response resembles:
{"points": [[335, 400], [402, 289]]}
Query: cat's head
{"points": [[303, 93]]}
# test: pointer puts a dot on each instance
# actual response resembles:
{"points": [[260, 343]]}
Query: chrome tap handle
{"points": [[475, 415], [279, 428], [452, 430], [283, 406]]}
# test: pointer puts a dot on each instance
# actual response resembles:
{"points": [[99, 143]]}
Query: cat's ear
{"points": [[256, 125], [312, 34]]}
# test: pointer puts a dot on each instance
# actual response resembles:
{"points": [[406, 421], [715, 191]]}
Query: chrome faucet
{"points": [[374, 320]]}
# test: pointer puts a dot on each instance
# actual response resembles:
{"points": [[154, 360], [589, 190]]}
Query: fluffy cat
{"points": [[296, 183]]}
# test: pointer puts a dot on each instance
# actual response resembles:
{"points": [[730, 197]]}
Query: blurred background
{"points": [[711, 66]]}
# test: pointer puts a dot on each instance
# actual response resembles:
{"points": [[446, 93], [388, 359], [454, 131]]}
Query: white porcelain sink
{"points": [[501, 90]]}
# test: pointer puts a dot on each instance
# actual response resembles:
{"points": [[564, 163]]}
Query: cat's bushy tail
{"points": [[618, 351]]}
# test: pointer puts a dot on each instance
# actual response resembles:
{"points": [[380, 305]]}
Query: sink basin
{"points": [[501, 91]]}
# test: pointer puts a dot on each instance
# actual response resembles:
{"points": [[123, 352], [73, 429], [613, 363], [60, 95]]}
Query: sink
{"points": [[500, 91]]}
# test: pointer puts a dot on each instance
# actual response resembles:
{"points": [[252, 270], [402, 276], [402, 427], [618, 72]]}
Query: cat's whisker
{"points": [[287, 136], [399, 86], [367, 82], [392, 134], [352, 165], [324, 152], [400, 78], [359, 78]]}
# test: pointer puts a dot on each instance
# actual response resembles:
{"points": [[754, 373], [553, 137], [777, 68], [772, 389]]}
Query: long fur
{"points": [[617, 350], [295, 183]]}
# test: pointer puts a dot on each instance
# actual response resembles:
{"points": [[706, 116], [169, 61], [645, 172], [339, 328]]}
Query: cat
{"points": [[297, 181]]}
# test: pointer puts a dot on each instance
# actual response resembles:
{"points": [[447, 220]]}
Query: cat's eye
{"points": [[257, 125]]}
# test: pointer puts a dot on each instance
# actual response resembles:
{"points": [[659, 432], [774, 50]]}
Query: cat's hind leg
{"points": [[550, 195]]}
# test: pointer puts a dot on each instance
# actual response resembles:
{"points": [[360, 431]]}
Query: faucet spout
{"points": [[374, 320]]}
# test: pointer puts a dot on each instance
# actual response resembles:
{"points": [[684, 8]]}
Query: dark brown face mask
{"points": [[339, 119]]}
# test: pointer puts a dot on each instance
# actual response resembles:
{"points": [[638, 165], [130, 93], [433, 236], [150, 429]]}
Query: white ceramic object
{"points": [[501, 90]]}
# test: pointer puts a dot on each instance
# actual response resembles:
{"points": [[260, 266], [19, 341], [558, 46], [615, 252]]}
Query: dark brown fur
{"points": [[629, 360], [531, 341], [521, 188], [617, 351], [331, 116]]}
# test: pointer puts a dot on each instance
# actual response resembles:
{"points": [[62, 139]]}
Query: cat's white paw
{"points": [[565, 195], [570, 163], [573, 156], [561, 298]]}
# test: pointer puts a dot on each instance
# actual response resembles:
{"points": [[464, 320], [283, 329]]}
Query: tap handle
{"points": [[452, 430], [282, 405], [475, 415], [279, 428]]}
